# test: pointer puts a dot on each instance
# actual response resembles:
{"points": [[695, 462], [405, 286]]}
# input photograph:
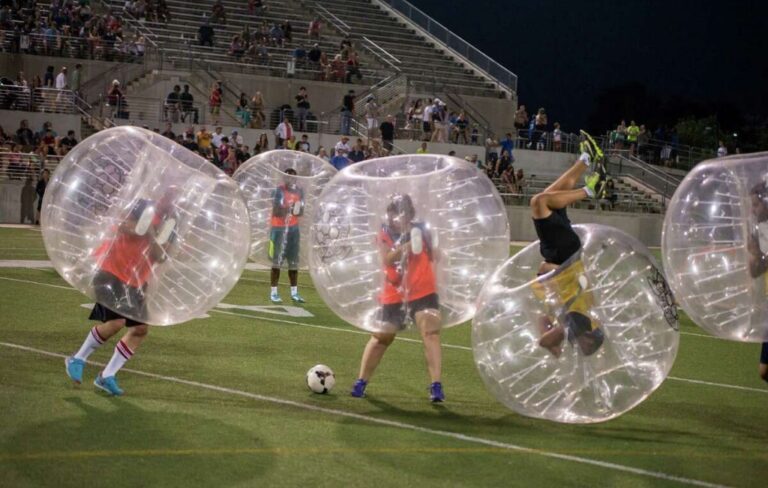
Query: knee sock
{"points": [[119, 358], [92, 342]]}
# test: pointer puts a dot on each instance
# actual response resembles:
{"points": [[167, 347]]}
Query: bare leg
{"points": [[764, 371], [428, 322], [374, 350], [293, 277], [551, 336], [570, 178], [275, 276], [542, 204], [108, 329], [135, 336]]}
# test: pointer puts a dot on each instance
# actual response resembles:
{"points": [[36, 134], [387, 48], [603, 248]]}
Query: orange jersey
{"points": [[418, 273], [285, 199], [127, 256]]}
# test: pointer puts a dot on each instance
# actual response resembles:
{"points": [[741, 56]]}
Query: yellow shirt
{"points": [[204, 139]]}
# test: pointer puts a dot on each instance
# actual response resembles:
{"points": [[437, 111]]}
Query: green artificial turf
{"points": [[249, 420]]}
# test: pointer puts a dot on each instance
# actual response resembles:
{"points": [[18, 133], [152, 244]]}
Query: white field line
{"points": [[403, 339], [396, 424]]}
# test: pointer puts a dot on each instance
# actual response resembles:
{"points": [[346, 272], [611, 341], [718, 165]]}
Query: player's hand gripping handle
{"points": [[417, 241], [145, 220]]}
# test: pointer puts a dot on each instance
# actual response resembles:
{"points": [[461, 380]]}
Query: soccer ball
{"points": [[320, 379]]}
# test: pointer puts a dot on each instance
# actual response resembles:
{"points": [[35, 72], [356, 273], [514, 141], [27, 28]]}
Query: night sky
{"points": [[566, 54]]}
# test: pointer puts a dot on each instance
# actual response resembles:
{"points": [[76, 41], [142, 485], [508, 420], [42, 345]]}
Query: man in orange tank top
{"points": [[409, 292], [126, 262]]}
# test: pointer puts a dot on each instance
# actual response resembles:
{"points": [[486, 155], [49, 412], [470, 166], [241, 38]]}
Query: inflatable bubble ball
{"points": [[583, 343], [145, 227], [715, 246], [280, 189], [391, 231]]}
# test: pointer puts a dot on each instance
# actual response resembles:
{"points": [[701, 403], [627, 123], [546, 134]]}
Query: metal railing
{"points": [[506, 80], [654, 178], [125, 51], [20, 166], [50, 100]]}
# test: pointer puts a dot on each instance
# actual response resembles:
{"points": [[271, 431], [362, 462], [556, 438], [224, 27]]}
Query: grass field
{"points": [[221, 401]]}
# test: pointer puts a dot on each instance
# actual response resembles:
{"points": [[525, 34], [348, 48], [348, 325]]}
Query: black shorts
{"points": [[395, 313], [557, 239], [128, 300], [426, 126], [764, 354]]}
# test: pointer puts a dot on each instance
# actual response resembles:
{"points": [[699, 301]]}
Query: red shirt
{"points": [[127, 256], [285, 199], [419, 275]]}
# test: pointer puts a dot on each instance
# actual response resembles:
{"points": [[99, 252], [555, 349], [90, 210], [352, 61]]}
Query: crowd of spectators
{"points": [[26, 152], [431, 120], [67, 28]]}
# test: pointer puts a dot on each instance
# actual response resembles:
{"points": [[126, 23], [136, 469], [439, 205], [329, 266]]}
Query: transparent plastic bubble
{"points": [[715, 246], [145, 227], [581, 344], [458, 236], [279, 203]]}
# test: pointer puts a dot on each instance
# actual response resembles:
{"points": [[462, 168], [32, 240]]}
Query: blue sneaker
{"points": [[74, 369], [296, 298], [358, 389], [275, 298], [108, 384], [436, 394]]}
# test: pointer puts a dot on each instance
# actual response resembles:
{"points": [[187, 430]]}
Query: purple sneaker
{"points": [[436, 394], [358, 389]]}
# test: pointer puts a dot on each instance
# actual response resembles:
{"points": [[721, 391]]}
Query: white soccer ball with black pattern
{"points": [[320, 379]]}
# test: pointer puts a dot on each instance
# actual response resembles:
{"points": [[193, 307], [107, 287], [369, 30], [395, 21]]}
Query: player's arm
{"points": [[278, 209], [758, 261]]}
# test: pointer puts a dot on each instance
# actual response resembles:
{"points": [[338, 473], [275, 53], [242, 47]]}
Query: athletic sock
{"points": [[92, 342], [584, 158], [294, 290], [119, 358], [274, 290]]}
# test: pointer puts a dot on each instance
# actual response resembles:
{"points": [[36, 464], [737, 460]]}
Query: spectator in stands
{"points": [[218, 13], [557, 138], [276, 36], [61, 79], [283, 132], [387, 131], [235, 139], [302, 108], [722, 151], [76, 79], [291, 143], [339, 160], [287, 29], [372, 116], [504, 162], [24, 135], [28, 196], [257, 111], [643, 138], [217, 137], [345, 46], [325, 68], [520, 182], [427, 119], [66, 143], [607, 195], [188, 106], [337, 69], [347, 111], [357, 153], [304, 145], [263, 144], [353, 68], [508, 179], [116, 100], [243, 111], [315, 26], [204, 141], [508, 144], [314, 55], [236, 47], [422, 149], [343, 146], [172, 107], [242, 154], [42, 183], [214, 99], [633, 131], [619, 136], [540, 127], [300, 56], [168, 132], [48, 77], [521, 119], [322, 154], [256, 7], [205, 33], [460, 130]]}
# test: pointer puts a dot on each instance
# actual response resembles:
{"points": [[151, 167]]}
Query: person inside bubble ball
{"points": [[561, 274], [126, 261], [757, 247], [409, 292], [287, 207]]}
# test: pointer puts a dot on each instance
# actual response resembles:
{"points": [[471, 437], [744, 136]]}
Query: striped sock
{"points": [[92, 342], [119, 358]]}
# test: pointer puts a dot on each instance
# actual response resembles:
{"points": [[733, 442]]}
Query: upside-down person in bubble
{"points": [[287, 207], [126, 262], [561, 274], [757, 247], [409, 292]]}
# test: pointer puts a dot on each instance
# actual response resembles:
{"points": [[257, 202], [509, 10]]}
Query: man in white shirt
{"points": [[61, 79], [342, 147], [217, 136], [283, 132], [372, 116], [236, 139], [722, 151]]}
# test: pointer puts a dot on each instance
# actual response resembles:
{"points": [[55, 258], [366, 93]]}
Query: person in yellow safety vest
{"points": [[632, 132]]}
